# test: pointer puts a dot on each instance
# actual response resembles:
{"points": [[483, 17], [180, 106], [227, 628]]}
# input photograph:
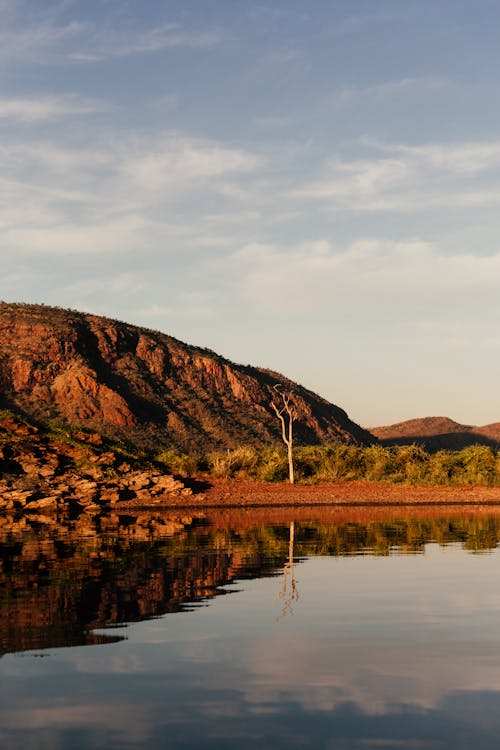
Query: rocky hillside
{"points": [[147, 387], [437, 433]]}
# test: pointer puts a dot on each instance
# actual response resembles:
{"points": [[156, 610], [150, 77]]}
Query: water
{"points": [[280, 629]]}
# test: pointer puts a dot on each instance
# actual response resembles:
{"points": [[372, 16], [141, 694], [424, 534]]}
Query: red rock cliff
{"points": [[145, 386]]}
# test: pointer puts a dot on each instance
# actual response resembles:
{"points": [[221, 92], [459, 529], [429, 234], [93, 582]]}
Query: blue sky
{"points": [[308, 186]]}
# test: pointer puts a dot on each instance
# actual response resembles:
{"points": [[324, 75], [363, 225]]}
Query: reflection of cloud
{"points": [[388, 654], [330, 671], [119, 722]]}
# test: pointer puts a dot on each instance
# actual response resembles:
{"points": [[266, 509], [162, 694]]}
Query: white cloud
{"points": [[189, 304], [73, 238], [139, 162], [42, 108], [56, 198], [175, 161], [460, 158], [370, 274]]}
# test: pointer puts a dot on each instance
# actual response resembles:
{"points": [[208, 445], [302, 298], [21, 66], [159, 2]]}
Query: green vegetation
{"points": [[410, 465], [476, 465]]}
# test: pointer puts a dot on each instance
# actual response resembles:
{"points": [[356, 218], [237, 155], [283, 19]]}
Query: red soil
{"points": [[248, 493]]}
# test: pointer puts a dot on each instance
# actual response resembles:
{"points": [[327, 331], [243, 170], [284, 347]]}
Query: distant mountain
{"points": [[437, 433], [147, 387]]}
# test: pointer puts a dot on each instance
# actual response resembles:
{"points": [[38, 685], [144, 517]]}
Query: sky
{"points": [[311, 186]]}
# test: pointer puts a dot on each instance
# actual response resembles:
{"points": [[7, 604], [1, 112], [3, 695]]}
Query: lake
{"points": [[293, 628]]}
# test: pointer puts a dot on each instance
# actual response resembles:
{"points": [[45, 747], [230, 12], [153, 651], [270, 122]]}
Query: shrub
{"points": [[273, 465], [479, 465], [183, 464], [240, 461], [411, 464], [379, 463]]}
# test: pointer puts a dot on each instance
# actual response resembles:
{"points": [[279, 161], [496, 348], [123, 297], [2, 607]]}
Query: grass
{"points": [[476, 465]]}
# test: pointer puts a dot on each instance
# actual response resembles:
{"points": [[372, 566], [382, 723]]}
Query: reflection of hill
{"points": [[58, 582]]}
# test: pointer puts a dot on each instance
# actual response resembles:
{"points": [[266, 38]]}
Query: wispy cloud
{"points": [[175, 161], [391, 88], [360, 21], [73, 238], [457, 158], [37, 109], [404, 178], [29, 35], [40, 42], [109, 43]]}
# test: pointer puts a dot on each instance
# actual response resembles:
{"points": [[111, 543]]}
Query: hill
{"points": [[438, 433], [147, 387]]}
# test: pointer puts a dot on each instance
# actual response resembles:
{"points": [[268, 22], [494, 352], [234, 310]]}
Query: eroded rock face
{"points": [[128, 382]]}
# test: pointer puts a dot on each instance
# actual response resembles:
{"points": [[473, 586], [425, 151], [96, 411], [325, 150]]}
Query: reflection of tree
{"points": [[289, 593]]}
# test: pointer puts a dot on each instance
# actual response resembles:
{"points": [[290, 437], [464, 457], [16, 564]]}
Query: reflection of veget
{"points": [[291, 594], [60, 581]]}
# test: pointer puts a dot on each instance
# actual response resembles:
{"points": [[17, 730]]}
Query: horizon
{"points": [[312, 187]]}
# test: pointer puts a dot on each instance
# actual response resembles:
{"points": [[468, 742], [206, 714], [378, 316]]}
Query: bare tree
{"points": [[286, 413]]}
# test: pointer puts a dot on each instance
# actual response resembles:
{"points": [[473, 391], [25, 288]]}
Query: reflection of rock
{"points": [[58, 581]]}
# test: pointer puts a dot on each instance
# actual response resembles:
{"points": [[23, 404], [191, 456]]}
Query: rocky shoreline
{"points": [[39, 472]]}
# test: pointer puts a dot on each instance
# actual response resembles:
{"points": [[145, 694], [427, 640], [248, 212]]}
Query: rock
{"points": [[92, 508], [105, 459], [93, 438], [19, 497], [29, 464], [15, 427], [138, 480], [146, 497], [109, 495], [44, 502], [85, 485], [48, 471]]}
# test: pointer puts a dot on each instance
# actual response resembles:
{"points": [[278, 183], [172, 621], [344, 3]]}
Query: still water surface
{"points": [[312, 629]]}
